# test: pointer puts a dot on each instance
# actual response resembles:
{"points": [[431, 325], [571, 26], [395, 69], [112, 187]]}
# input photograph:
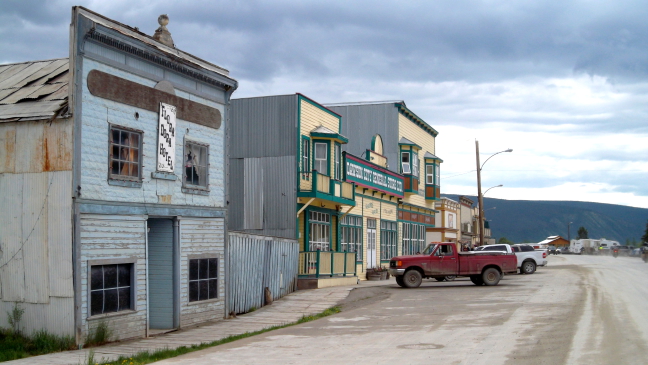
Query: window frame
{"points": [[316, 161], [355, 229], [185, 184], [325, 225], [306, 154], [415, 165], [132, 287], [408, 163], [388, 239], [125, 178], [337, 156], [429, 176], [190, 280]]}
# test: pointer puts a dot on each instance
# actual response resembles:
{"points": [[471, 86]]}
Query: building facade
{"points": [[131, 168], [408, 150], [448, 222]]}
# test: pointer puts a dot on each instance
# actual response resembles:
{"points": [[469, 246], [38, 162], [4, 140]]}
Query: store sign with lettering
{"points": [[365, 174], [166, 138]]}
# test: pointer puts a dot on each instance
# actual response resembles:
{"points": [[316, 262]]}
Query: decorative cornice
{"points": [[110, 41]]}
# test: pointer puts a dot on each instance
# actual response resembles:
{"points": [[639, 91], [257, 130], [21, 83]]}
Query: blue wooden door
{"points": [[160, 278]]}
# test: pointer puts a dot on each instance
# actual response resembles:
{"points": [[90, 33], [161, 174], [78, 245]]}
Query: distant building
{"points": [[447, 228], [552, 241]]}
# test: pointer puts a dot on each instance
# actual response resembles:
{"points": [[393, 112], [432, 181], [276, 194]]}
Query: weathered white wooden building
{"points": [[112, 173]]}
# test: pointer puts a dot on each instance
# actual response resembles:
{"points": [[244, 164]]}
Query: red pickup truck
{"points": [[440, 259]]}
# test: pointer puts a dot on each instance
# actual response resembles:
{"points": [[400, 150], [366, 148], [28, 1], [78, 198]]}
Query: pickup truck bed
{"points": [[441, 259]]}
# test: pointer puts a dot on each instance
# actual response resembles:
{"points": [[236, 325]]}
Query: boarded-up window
{"points": [[203, 279]]}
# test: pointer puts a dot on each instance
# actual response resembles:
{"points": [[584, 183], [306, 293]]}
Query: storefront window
{"points": [[319, 236], [388, 238], [351, 235], [413, 238]]}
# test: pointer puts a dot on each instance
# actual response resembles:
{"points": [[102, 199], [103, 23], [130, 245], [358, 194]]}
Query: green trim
{"points": [[415, 118], [337, 173], [334, 137], [331, 198], [308, 168], [307, 224]]}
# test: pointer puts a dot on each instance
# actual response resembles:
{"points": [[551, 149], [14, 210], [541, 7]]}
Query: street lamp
{"points": [[480, 197], [496, 186]]}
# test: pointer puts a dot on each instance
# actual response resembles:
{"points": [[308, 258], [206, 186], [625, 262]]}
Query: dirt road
{"points": [[579, 310]]}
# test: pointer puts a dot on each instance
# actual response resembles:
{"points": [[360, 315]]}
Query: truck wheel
{"points": [[476, 279], [491, 276], [412, 279], [439, 279], [528, 267], [399, 281], [450, 277]]}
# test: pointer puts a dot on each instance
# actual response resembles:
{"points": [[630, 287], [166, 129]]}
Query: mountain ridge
{"points": [[535, 220]]}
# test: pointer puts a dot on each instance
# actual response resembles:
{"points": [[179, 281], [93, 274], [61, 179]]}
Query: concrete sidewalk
{"points": [[285, 310]]}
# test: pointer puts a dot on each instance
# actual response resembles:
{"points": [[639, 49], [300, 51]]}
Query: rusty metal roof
{"points": [[33, 90]]}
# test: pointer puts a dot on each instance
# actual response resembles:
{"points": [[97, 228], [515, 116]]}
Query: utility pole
{"points": [[480, 199]]}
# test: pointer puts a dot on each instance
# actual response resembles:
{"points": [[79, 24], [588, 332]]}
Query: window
{"points": [[321, 158], [429, 174], [338, 171], [110, 288], [196, 157], [305, 155], [437, 175], [405, 163], [125, 146], [351, 235], [444, 250], [415, 164], [319, 235], [388, 238], [413, 238], [203, 279]]}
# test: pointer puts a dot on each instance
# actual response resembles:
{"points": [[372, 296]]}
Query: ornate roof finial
{"points": [[162, 34]]}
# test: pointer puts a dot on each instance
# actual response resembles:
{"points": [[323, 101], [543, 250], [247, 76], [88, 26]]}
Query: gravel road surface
{"points": [[578, 310]]}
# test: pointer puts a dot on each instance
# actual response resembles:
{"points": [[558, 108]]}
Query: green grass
{"points": [[149, 357], [17, 346]]}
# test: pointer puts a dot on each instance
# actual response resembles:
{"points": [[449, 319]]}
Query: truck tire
{"points": [[412, 279], [450, 277], [476, 279], [491, 276], [528, 267], [399, 281]]}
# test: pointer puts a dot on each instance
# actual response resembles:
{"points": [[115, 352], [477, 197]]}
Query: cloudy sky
{"points": [[562, 83]]}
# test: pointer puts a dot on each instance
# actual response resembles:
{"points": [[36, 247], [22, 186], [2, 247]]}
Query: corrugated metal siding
{"points": [[263, 127], [256, 263], [253, 193], [265, 202], [160, 266], [361, 122], [236, 191]]}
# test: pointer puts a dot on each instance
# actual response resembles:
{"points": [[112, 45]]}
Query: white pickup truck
{"points": [[527, 257]]}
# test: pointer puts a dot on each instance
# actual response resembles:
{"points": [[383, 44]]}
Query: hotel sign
{"points": [[366, 174]]}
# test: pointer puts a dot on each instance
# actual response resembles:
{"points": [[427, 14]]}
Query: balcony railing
{"points": [[324, 184], [327, 263]]}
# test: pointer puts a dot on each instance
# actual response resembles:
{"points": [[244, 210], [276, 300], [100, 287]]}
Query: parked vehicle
{"points": [[551, 250], [440, 259], [644, 252], [623, 250], [528, 258]]}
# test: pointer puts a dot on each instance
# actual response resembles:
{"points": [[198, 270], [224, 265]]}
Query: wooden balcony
{"points": [[326, 264]]}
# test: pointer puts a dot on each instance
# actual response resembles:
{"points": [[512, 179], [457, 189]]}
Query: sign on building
{"points": [[166, 138], [366, 174]]}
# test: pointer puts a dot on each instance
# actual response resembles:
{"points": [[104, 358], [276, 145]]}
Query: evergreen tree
{"points": [[582, 233], [644, 238]]}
